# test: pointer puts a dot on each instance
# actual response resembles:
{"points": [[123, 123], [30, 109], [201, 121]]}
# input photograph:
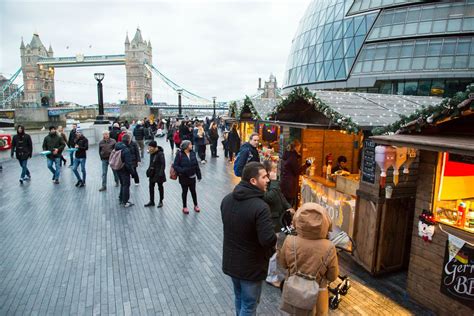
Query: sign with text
{"points": [[457, 279], [368, 162]]}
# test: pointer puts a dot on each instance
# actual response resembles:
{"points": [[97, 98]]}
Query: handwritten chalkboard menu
{"points": [[457, 276], [368, 162]]}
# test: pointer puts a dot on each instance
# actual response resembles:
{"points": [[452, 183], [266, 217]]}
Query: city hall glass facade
{"points": [[384, 46]]}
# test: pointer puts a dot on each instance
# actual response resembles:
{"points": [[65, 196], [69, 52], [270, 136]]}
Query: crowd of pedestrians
{"points": [[254, 248]]}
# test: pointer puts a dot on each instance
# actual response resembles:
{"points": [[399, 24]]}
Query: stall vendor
{"points": [[341, 165]]}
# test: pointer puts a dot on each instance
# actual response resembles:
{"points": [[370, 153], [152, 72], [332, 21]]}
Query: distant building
{"points": [[416, 47], [4, 95], [270, 88]]}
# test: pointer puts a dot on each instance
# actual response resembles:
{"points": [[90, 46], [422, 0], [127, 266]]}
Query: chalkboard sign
{"points": [[457, 275], [368, 162]]}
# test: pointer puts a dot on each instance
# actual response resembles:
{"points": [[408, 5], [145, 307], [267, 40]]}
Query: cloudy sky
{"points": [[212, 48]]}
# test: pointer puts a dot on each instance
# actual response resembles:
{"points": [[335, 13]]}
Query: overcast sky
{"points": [[212, 48]]}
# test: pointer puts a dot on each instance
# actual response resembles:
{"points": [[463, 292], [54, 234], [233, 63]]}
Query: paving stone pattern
{"points": [[75, 251]]}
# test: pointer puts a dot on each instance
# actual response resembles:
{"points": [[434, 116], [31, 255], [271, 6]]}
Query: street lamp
{"points": [[213, 108], [100, 119], [180, 110]]}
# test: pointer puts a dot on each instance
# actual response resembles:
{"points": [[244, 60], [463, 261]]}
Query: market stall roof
{"points": [[295, 124], [262, 106], [370, 109], [463, 145]]}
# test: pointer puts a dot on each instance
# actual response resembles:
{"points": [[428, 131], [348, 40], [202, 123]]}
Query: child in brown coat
{"points": [[312, 224]]}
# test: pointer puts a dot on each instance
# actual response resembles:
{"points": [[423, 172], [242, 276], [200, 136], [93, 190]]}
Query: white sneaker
{"points": [[203, 161], [137, 184], [128, 204]]}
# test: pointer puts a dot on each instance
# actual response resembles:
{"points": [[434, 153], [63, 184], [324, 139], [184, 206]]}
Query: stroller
{"points": [[342, 242]]}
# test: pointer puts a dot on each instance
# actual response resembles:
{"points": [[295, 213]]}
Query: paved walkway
{"points": [[67, 250]]}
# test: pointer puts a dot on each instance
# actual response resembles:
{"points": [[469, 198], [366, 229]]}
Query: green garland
{"points": [[428, 115], [303, 95], [249, 105]]}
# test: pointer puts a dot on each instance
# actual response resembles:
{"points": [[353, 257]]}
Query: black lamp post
{"points": [[213, 108], [180, 109], [100, 119]]}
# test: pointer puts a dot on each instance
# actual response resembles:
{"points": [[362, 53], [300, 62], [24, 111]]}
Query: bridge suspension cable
{"points": [[177, 88]]}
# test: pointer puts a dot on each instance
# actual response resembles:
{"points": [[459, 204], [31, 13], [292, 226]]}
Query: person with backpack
{"points": [[249, 239], [55, 145], [248, 153], [309, 252], [156, 173], [106, 146], [22, 146], [136, 159], [187, 167], [82, 145], [233, 142], [121, 161]]}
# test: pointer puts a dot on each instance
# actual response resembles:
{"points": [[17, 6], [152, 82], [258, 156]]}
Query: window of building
{"points": [[454, 193], [446, 62]]}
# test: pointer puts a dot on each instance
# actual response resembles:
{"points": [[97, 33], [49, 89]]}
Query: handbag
{"points": [[301, 290], [173, 173]]}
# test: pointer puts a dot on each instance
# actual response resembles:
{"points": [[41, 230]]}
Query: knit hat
{"points": [[153, 144]]}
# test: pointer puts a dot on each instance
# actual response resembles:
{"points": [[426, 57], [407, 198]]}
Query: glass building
{"points": [[384, 46]]}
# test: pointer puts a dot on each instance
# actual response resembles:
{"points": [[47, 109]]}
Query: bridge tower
{"points": [[139, 82], [38, 79]]}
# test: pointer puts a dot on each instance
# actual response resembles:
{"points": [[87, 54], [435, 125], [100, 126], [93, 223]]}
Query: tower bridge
{"points": [[38, 66]]}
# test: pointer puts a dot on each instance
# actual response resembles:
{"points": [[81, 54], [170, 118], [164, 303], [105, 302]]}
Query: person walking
{"points": [[234, 142], [248, 152], [64, 137], [82, 145], [311, 253], [200, 142], [136, 159], [213, 138], [70, 143], [139, 134], [106, 145], [177, 136], [22, 146], [169, 137], [123, 131], [249, 239], [156, 173], [225, 143], [291, 169], [126, 171], [187, 167], [55, 144], [115, 131]]}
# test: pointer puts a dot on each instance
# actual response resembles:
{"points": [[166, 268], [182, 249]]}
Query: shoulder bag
{"points": [[301, 290]]}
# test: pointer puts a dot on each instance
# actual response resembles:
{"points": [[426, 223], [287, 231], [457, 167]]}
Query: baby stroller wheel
{"points": [[345, 288], [333, 302]]}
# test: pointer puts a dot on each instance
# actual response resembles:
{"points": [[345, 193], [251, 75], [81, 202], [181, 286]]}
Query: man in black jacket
{"points": [[70, 142], [248, 152], [139, 133], [82, 145], [126, 171], [249, 239], [23, 147], [55, 144]]}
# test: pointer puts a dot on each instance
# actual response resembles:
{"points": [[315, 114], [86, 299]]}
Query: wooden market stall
{"points": [[333, 124], [441, 240]]}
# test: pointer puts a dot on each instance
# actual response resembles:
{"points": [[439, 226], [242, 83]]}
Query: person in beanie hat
{"points": [[82, 145], [156, 172], [54, 144]]}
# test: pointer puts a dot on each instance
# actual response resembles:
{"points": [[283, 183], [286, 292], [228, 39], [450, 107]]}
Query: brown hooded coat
{"points": [[312, 225]]}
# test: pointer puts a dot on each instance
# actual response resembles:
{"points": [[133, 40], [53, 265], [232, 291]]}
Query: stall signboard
{"points": [[457, 279], [368, 162], [340, 206]]}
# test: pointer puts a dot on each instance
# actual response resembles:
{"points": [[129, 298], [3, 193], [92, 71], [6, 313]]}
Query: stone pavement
{"points": [[67, 250]]}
